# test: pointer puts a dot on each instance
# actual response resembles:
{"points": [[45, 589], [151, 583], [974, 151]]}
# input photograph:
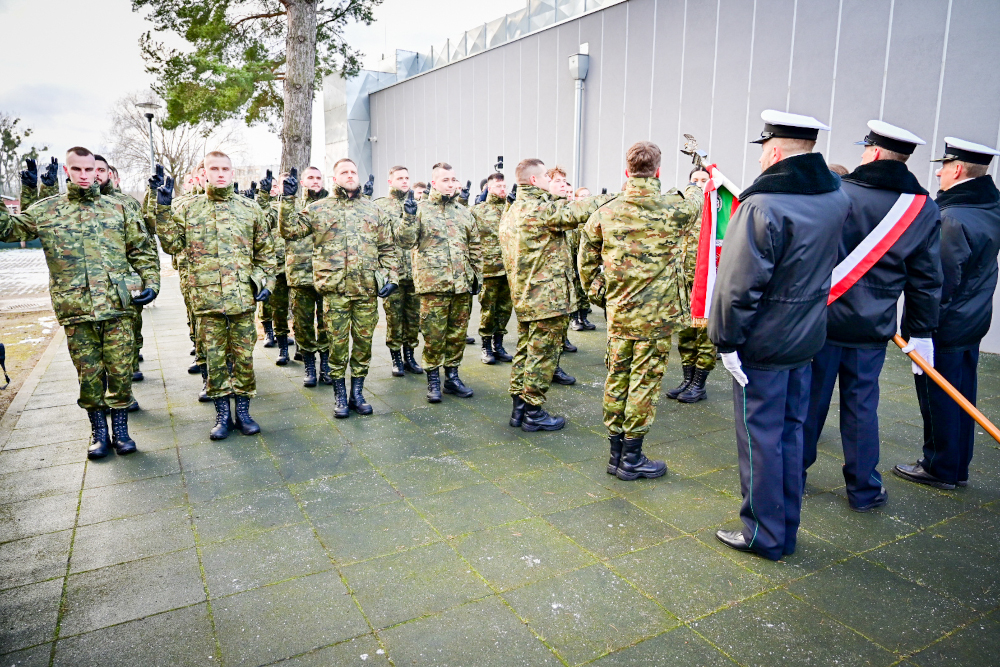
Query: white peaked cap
{"points": [[774, 117], [893, 132], [970, 146]]}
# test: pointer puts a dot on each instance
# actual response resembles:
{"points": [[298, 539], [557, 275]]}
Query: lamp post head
{"points": [[579, 65]]}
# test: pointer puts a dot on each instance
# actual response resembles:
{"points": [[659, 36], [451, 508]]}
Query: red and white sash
{"points": [[876, 244]]}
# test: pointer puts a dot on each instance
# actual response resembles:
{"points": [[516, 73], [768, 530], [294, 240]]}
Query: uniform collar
{"points": [[642, 187], [436, 197], [398, 194], [979, 191], [75, 193], [108, 188], [319, 194], [532, 191], [219, 194], [493, 199]]}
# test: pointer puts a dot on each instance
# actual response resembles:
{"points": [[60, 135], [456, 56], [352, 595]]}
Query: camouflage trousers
{"points": [[192, 321], [444, 320], [495, 306], [137, 334], [229, 337], [98, 349], [307, 319], [539, 343], [695, 348], [350, 320], [402, 317], [275, 309], [632, 390]]}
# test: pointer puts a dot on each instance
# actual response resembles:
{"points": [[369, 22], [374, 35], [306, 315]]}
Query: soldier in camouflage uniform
{"points": [[697, 351], [447, 273], [230, 255], [402, 308], [537, 262], [274, 311], [354, 259], [91, 244], [560, 189], [494, 299], [308, 321], [638, 241]]}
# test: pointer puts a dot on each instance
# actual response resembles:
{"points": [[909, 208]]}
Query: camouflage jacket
{"points": [[91, 245], [351, 246], [271, 208], [299, 251], [393, 206], [639, 241], [535, 253], [692, 238], [448, 257], [227, 247], [42, 191], [488, 216]]}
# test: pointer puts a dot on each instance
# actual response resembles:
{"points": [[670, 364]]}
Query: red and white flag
{"points": [[720, 203]]}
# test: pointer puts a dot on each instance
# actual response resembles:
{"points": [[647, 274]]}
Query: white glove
{"points": [[731, 360], [925, 348]]}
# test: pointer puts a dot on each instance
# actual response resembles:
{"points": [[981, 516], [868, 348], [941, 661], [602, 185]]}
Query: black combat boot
{"points": [[397, 364], [696, 390], [194, 368], [137, 376], [488, 357], [194, 351], [203, 395], [568, 346], [433, 385], [409, 363], [223, 419], [679, 389], [340, 408], [517, 411], [616, 452], [356, 401], [574, 321], [499, 353], [298, 354], [324, 368], [537, 419], [634, 464], [469, 340], [99, 445], [453, 384], [133, 406], [562, 377], [269, 335], [282, 359], [587, 324], [309, 363], [122, 441], [244, 422], [140, 357]]}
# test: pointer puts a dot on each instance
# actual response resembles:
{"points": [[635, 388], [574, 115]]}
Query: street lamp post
{"points": [[579, 66], [148, 107]]}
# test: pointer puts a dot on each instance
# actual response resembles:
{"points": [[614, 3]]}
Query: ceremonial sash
{"points": [[876, 244], [719, 206]]}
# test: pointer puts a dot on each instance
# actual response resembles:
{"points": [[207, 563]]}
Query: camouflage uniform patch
{"points": [[350, 323], [275, 309], [402, 316], [539, 343], [444, 319], [229, 338], [99, 348], [308, 323], [695, 348], [495, 306], [632, 390]]}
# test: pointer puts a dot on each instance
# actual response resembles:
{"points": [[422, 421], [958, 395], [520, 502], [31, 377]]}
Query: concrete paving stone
{"points": [[431, 475], [521, 553], [975, 530], [547, 491], [252, 562], [301, 466], [200, 456], [394, 450], [776, 629], [149, 437], [570, 444], [50, 400], [112, 595], [915, 504], [58, 415], [28, 614], [447, 422], [41, 456], [36, 656], [121, 540], [267, 624], [407, 585], [688, 578], [303, 438], [288, 417], [883, 606], [357, 428], [588, 613], [684, 503], [40, 483], [679, 646], [34, 559], [975, 645], [469, 509], [828, 515], [58, 385], [725, 480], [325, 497], [482, 633], [824, 475], [689, 457], [508, 459], [355, 535], [47, 435], [37, 516], [233, 479], [115, 469], [364, 650], [245, 515], [611, 527], [131, 498], [180, 637]]}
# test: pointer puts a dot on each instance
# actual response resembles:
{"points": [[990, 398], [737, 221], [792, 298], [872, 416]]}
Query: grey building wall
{"points": [[662, 68]]}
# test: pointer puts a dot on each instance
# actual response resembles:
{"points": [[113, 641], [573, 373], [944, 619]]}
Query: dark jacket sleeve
{"points": [[955, 253], [923, 286], [745, 268]]}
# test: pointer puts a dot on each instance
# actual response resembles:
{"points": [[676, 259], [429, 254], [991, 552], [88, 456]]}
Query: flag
{"points": [[721, 200]]}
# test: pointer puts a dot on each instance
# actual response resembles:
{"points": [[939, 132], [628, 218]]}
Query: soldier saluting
{"points": [[91, 243], [768, 319]]}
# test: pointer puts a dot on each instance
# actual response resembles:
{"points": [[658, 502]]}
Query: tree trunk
{"points": [[300, 73]]}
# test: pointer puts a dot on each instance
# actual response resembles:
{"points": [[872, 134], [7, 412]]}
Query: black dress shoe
{"points": [[881, 499], [733, 539], [915, 473]]}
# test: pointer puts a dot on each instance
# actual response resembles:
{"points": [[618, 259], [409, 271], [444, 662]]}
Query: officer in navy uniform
{"points": [[863, 319], [970, 240], [768, 319]]}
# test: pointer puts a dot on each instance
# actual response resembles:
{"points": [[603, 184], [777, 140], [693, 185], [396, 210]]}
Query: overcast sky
{"points": [[65, 90]]}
